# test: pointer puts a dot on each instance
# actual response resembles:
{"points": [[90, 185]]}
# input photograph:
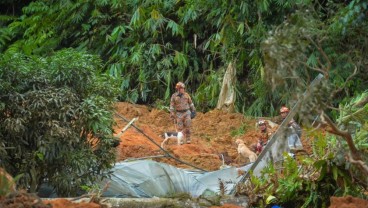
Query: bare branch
{"points": [[246, 25], [354, 156], [316, 128], [327, 59], [351, 115], [346, 81], [359, 163], [319, 48], [313, 68], [361, 103], [259, 16], [344, 134], [332, 108]]}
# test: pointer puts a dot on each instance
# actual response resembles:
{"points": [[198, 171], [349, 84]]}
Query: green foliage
{"points": [[241, 130], [160, 104], [150, 45], [52, 109], [279, 46], [309, 181], [207, 93], [355, 111], [353, 119], [351, 15], [305, 45]]}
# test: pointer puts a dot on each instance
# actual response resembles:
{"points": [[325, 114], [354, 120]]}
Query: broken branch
{"points": [[346, 81], [355, 157], [359, 163], [344, 134]]}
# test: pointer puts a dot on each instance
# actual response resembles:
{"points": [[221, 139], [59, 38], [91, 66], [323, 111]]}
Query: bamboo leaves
{"points": [[175, 28], [188, 37], [138, 17], [180, 59], [117, 34]]}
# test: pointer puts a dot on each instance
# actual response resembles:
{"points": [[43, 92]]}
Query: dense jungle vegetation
{"points": [[62, 64]]}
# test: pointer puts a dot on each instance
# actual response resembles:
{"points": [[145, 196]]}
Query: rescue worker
{"points": [[181, 107], [284, 111], [265, 136], [294, 132]]}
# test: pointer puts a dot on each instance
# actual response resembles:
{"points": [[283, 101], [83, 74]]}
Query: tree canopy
{"points": [[150, 45], [56, 119], [56, 103]]}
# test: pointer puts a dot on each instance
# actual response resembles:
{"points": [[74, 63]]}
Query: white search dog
{"points": [[179, 136]]}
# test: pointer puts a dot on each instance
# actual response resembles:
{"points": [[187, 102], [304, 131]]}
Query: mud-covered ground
{"points": [[213, 134]]}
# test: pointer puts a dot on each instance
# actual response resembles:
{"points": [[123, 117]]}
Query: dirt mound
{"points": [[212, 136], [348, 202], [28, 200], [22, 199], [64, 203]]}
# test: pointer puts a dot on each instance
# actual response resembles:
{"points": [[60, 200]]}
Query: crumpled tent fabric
{"points": [[147, 178]]}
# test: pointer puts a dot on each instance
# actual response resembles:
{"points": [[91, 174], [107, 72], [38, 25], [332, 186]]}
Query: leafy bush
{"points": [[308, 181], [56, 119]]}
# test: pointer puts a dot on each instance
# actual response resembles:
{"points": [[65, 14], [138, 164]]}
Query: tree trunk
{"points": [[227, 96]]}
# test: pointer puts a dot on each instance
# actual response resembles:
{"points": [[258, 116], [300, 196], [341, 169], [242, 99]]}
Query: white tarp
{"points": [[147, 178]]}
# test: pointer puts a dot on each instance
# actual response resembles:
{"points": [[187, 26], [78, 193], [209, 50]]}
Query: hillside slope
{"points": [[213, 133]]}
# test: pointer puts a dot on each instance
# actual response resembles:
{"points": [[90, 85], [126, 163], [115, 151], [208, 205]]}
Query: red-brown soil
{"points": [[22, 199], [211, 135], [64, 203], [348, 202]]}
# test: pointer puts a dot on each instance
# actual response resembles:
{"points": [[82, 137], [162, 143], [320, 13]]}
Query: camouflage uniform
{"points": [[182, 105]]}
